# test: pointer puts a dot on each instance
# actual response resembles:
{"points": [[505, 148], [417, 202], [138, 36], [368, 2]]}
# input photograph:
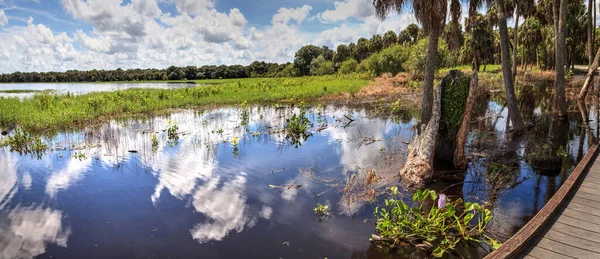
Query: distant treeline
{"points": [[256, 69]]}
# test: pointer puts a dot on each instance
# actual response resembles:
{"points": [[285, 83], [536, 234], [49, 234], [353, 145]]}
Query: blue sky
{"points": [[58, 35]]}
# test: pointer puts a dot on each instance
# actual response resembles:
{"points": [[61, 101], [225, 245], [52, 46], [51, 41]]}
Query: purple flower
{"points": [[442, 201]]}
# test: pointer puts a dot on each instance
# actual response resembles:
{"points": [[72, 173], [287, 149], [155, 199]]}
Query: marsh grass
{"points": [[49, 111], [19, 91]]}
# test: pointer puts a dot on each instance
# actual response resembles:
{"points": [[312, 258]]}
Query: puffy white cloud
{"points": [[3, 18], [285, 15], [345, 9]]}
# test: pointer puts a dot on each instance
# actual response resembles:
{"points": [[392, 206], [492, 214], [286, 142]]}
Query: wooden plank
{"points": [[573, 241], [515, 245], [588, 196], [583, 208], [586, 202], [578, 231], [565, 249], [593, 176], [582, 216], [539, 252], [587, 189], [590, 185], [592, 180], [575, 222]]}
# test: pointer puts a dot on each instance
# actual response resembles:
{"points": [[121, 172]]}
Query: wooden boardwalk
{"points": [[569, 224]]}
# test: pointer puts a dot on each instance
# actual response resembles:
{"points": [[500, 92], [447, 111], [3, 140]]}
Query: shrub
{"points": [[349, 66], [418, 56], [392, 60]]}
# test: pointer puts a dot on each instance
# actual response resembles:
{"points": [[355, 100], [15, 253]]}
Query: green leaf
{"points": [[438, 252]]}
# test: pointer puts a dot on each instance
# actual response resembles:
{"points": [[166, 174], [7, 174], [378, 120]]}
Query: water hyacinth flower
{"points": [[442, 201]]}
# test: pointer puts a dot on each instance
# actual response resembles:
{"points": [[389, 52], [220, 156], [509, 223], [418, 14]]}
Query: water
{"points": [[202, 197], [82, 88]]}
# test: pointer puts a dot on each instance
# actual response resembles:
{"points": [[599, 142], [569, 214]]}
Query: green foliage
{"points": [[172, 129], [322, 212], [46, 112], [454, 99], [25, 143], [440, 228], [321, 67], [348, 66], [304, 58], [79, 156], [297, 128], [154, 139], [418, 56]]}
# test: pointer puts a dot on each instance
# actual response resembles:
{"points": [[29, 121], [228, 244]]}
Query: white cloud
{"points": [[285, 15], [345, 9], [3, 18]]}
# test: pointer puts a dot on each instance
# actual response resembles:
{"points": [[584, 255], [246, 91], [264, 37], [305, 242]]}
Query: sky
{"points": [[59, 35]]}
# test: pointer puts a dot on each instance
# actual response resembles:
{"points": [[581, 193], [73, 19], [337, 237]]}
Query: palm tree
{"points": [[432, 16], [525, 6], [509, 87], [561, 27]]}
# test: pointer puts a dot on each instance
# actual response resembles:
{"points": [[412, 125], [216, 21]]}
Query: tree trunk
{"points": [[590, 76], [561, 104], [427, 104], [460, 160], [511, 99], [589, 32], [515, 41], [418, 168]]}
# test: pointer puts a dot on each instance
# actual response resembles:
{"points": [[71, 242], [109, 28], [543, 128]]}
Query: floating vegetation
{"points": [[322, 212], [438, 229], [24, 143], [244, 113], [154, 139], [172, 129], [79, 156], [297, 128]]}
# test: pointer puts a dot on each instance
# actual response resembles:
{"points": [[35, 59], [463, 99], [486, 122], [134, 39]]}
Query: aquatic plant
{"points": [[322, 212], [244, 113], [25, 143], [154, 139], [436, 228], [79, 156], [172, 129], [297, 128]]}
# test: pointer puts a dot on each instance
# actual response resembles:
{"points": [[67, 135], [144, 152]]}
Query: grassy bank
{"points": [[47, 111]]}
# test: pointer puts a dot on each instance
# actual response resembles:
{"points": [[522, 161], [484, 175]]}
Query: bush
{"points": [[392, 59], [349, 66], [417, 59], [320, 67]]}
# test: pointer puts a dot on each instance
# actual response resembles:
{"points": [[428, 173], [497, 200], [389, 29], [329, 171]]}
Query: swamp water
{"points": [[233, 185]]}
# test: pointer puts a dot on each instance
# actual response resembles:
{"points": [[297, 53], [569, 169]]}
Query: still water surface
{"points": [[202, 197]]}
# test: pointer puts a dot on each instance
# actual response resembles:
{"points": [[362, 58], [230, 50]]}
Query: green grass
{"points": [[48, 111]]}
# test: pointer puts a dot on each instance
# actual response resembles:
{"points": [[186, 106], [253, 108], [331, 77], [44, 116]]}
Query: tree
{"points": [[304, 57], [589, 32], [376, 44], [526, 7], [432, 16], [531, 36], [342, 53], [362, 49], [511, 98], [389, 38], [560, 102], [327, 53]]}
